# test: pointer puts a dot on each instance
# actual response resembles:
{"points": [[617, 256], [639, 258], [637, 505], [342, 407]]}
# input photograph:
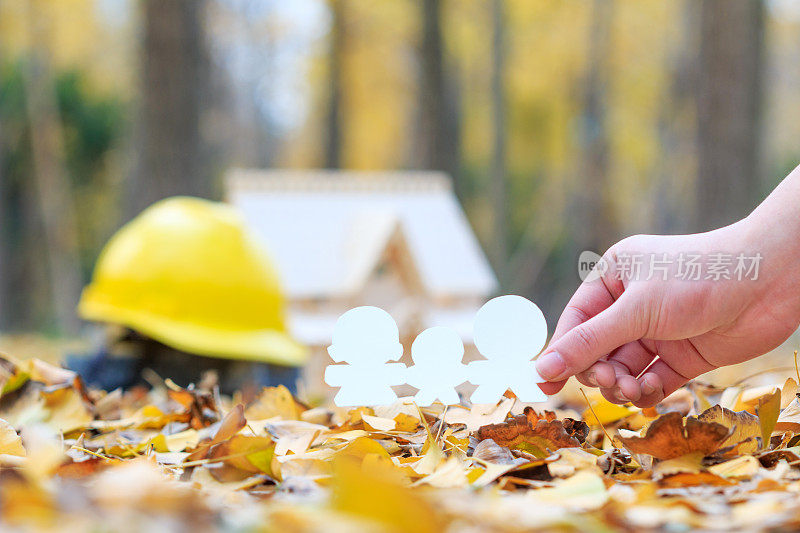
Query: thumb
{"points": [[587, 342]]}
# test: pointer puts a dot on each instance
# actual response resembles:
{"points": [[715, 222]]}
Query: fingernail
{"points": [[647, 387], [618, 394], [551, 366], [591, 377]]}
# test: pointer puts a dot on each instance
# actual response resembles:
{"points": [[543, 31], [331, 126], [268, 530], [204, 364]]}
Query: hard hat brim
{"points": [[264, 346]]}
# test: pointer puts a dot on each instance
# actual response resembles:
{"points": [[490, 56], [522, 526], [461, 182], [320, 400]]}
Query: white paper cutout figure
{"points": [[508, 331], [366, 338], [437, 370]]}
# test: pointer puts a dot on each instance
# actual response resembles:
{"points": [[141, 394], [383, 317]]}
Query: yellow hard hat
{"points": [[186, 273]]}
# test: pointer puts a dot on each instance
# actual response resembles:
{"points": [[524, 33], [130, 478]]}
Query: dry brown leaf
{"points": [[742, 424], [233, 422], [275, 402], [199, 405], [671, 436], [518, 433], [408, 469], [575, 428], [693, 480]]}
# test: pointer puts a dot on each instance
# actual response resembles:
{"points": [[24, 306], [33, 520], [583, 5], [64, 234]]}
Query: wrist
{"points": [[772, 231]]}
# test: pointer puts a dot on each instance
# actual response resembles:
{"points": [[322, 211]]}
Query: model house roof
{"points": [[327, 230]]}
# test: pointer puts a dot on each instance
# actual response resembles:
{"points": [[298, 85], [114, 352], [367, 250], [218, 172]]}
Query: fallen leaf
{"points": [[176, 442], [12, 376], [693, 480], [48, 374], [671, 436], [449, 474], [274, 402], [742, 425], [377, 497], [583, 491], [293, 436], [771, 458], [494, 460], [479, 415], [572, 460], [752, 395], [66, 410], [745, 466], [789, 419], [788, 392], [518, 433], [768, 410], [229, 426], [246, 454], [574, 428], [605, 411], [10, 442], [691, 463], [361, 447], [378, 423]]}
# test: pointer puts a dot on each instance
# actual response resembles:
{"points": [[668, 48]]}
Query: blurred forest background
{"points": [[566, 125]]}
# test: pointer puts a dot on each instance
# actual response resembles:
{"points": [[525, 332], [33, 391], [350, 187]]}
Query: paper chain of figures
{"points": [[508, 331]]}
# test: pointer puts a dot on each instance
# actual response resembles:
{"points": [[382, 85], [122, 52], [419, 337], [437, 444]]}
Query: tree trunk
{"points": [[728, 110], [437, 143], [498, 173], [594, 220], [675, 167], [333, 148], [54, 196], [5, 236], [175, 82]]}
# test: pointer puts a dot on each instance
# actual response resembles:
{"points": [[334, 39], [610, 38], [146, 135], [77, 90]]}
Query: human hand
{"points": [[639, 338]]}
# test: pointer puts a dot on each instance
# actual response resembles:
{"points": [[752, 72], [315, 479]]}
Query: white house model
{"points": [[398, 240]]}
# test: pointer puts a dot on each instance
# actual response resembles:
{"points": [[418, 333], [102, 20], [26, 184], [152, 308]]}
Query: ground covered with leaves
{"points": [[174, 459]]}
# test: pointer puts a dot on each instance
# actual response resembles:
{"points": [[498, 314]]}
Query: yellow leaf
{"points": [[788, 392], [769, 407], [362, 447], [274, 402], [745, 466], [372, 495], [10, 442], [13, 381], [177, 442], [691, 463], [406, 422], [246, 453], [583, 491], [743, 425], [606, 411], [67, 412]]}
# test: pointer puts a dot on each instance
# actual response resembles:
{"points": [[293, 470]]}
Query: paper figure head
{"points": [[509, 327], [365, 335], [437, 345]]}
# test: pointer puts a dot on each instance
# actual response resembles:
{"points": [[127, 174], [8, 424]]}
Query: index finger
{"points": [[591, 298]]}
